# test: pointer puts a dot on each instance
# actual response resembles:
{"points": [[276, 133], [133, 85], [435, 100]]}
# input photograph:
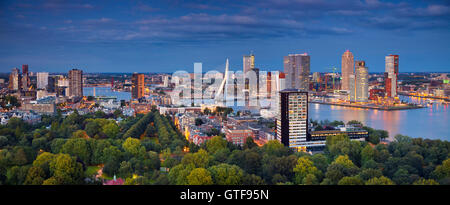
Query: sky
{"points": [[170, 35]]}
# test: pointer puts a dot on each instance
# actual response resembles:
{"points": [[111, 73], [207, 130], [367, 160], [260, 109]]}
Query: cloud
{"points": [[240, 20]]}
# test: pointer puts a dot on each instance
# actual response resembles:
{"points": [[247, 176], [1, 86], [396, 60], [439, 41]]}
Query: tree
{"points": [[367, 153], [78, 147], [199, 159], [310, 179], [354, 180], [370, 173], [66, 170], [341, 167], [111, 129], [35, 176], [125, 169], [199, 176], [16, 175], [379, 181], [43, 161], [304, 167], [249, 143], [178, 174], [3, 141], [215, 143], [225, 174], [252, 179], [274, 147], [133, 146], [423, 181], [320, 161], [80, 134], [442, 171]]}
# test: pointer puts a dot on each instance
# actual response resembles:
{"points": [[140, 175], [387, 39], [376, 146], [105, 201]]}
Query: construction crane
{"points": [[334, 74]]}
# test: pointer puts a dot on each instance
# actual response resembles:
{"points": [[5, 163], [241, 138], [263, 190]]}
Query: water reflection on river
{"points": [[431, 122]]}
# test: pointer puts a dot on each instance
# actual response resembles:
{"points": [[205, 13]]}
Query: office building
{"points": [[14, 80], [347, 69], [137, 87], [76, 83], [352, 88], [391, 75], [361, 81], [25, 78], [248, 63], [42, 80], [296, 68], [292, 118], [51, 84]]}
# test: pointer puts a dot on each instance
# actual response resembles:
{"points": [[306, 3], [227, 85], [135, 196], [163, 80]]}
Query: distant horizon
{"points": [[206, 71]]}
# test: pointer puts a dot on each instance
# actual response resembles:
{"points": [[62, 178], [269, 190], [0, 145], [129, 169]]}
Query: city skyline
{"points": [[147, 37]]}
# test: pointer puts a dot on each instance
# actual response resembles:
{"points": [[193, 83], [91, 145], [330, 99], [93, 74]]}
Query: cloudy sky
{"points": [[170, 35]]}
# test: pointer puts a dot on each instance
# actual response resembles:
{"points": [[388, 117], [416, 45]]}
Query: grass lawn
{"points": [[92, 170]]}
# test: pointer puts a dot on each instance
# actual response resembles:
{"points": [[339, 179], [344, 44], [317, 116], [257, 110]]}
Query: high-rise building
{"points": [[361, 81], [14, 80], [51, 86], [391, 75], [296, 68], [347, 69], [75, 83], [137, 85], [316, 77], [352, 88], [248, 63], [42, 80], [166, 81], [292, 118], [25, 77]]}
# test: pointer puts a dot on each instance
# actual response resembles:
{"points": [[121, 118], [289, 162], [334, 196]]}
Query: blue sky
{"points": [[170, 35]]}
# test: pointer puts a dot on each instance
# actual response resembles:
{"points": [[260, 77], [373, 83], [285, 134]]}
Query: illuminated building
{"points": [[238, 134], [248, 63], [76, 83], [25, 77], [361, 81], [42, 80], [347, 69], [14, 80], [391, 75], [137, 87], [292, 118], [296, 68], [352, 88]]}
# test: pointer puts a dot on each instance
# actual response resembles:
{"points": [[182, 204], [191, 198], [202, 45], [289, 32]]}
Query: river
{"points": [[431, 122]]}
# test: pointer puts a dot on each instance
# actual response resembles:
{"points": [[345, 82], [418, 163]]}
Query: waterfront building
{"points": [[76, 83], [391, 75], [352, 88], [347, 69], [361, 81], [14, 80], [292, 118], [296, 68], [42, 80], [137, 87]]}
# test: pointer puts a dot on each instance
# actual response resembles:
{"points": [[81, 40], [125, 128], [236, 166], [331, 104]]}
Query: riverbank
{"points": [[419, 96], [386, 108]]}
